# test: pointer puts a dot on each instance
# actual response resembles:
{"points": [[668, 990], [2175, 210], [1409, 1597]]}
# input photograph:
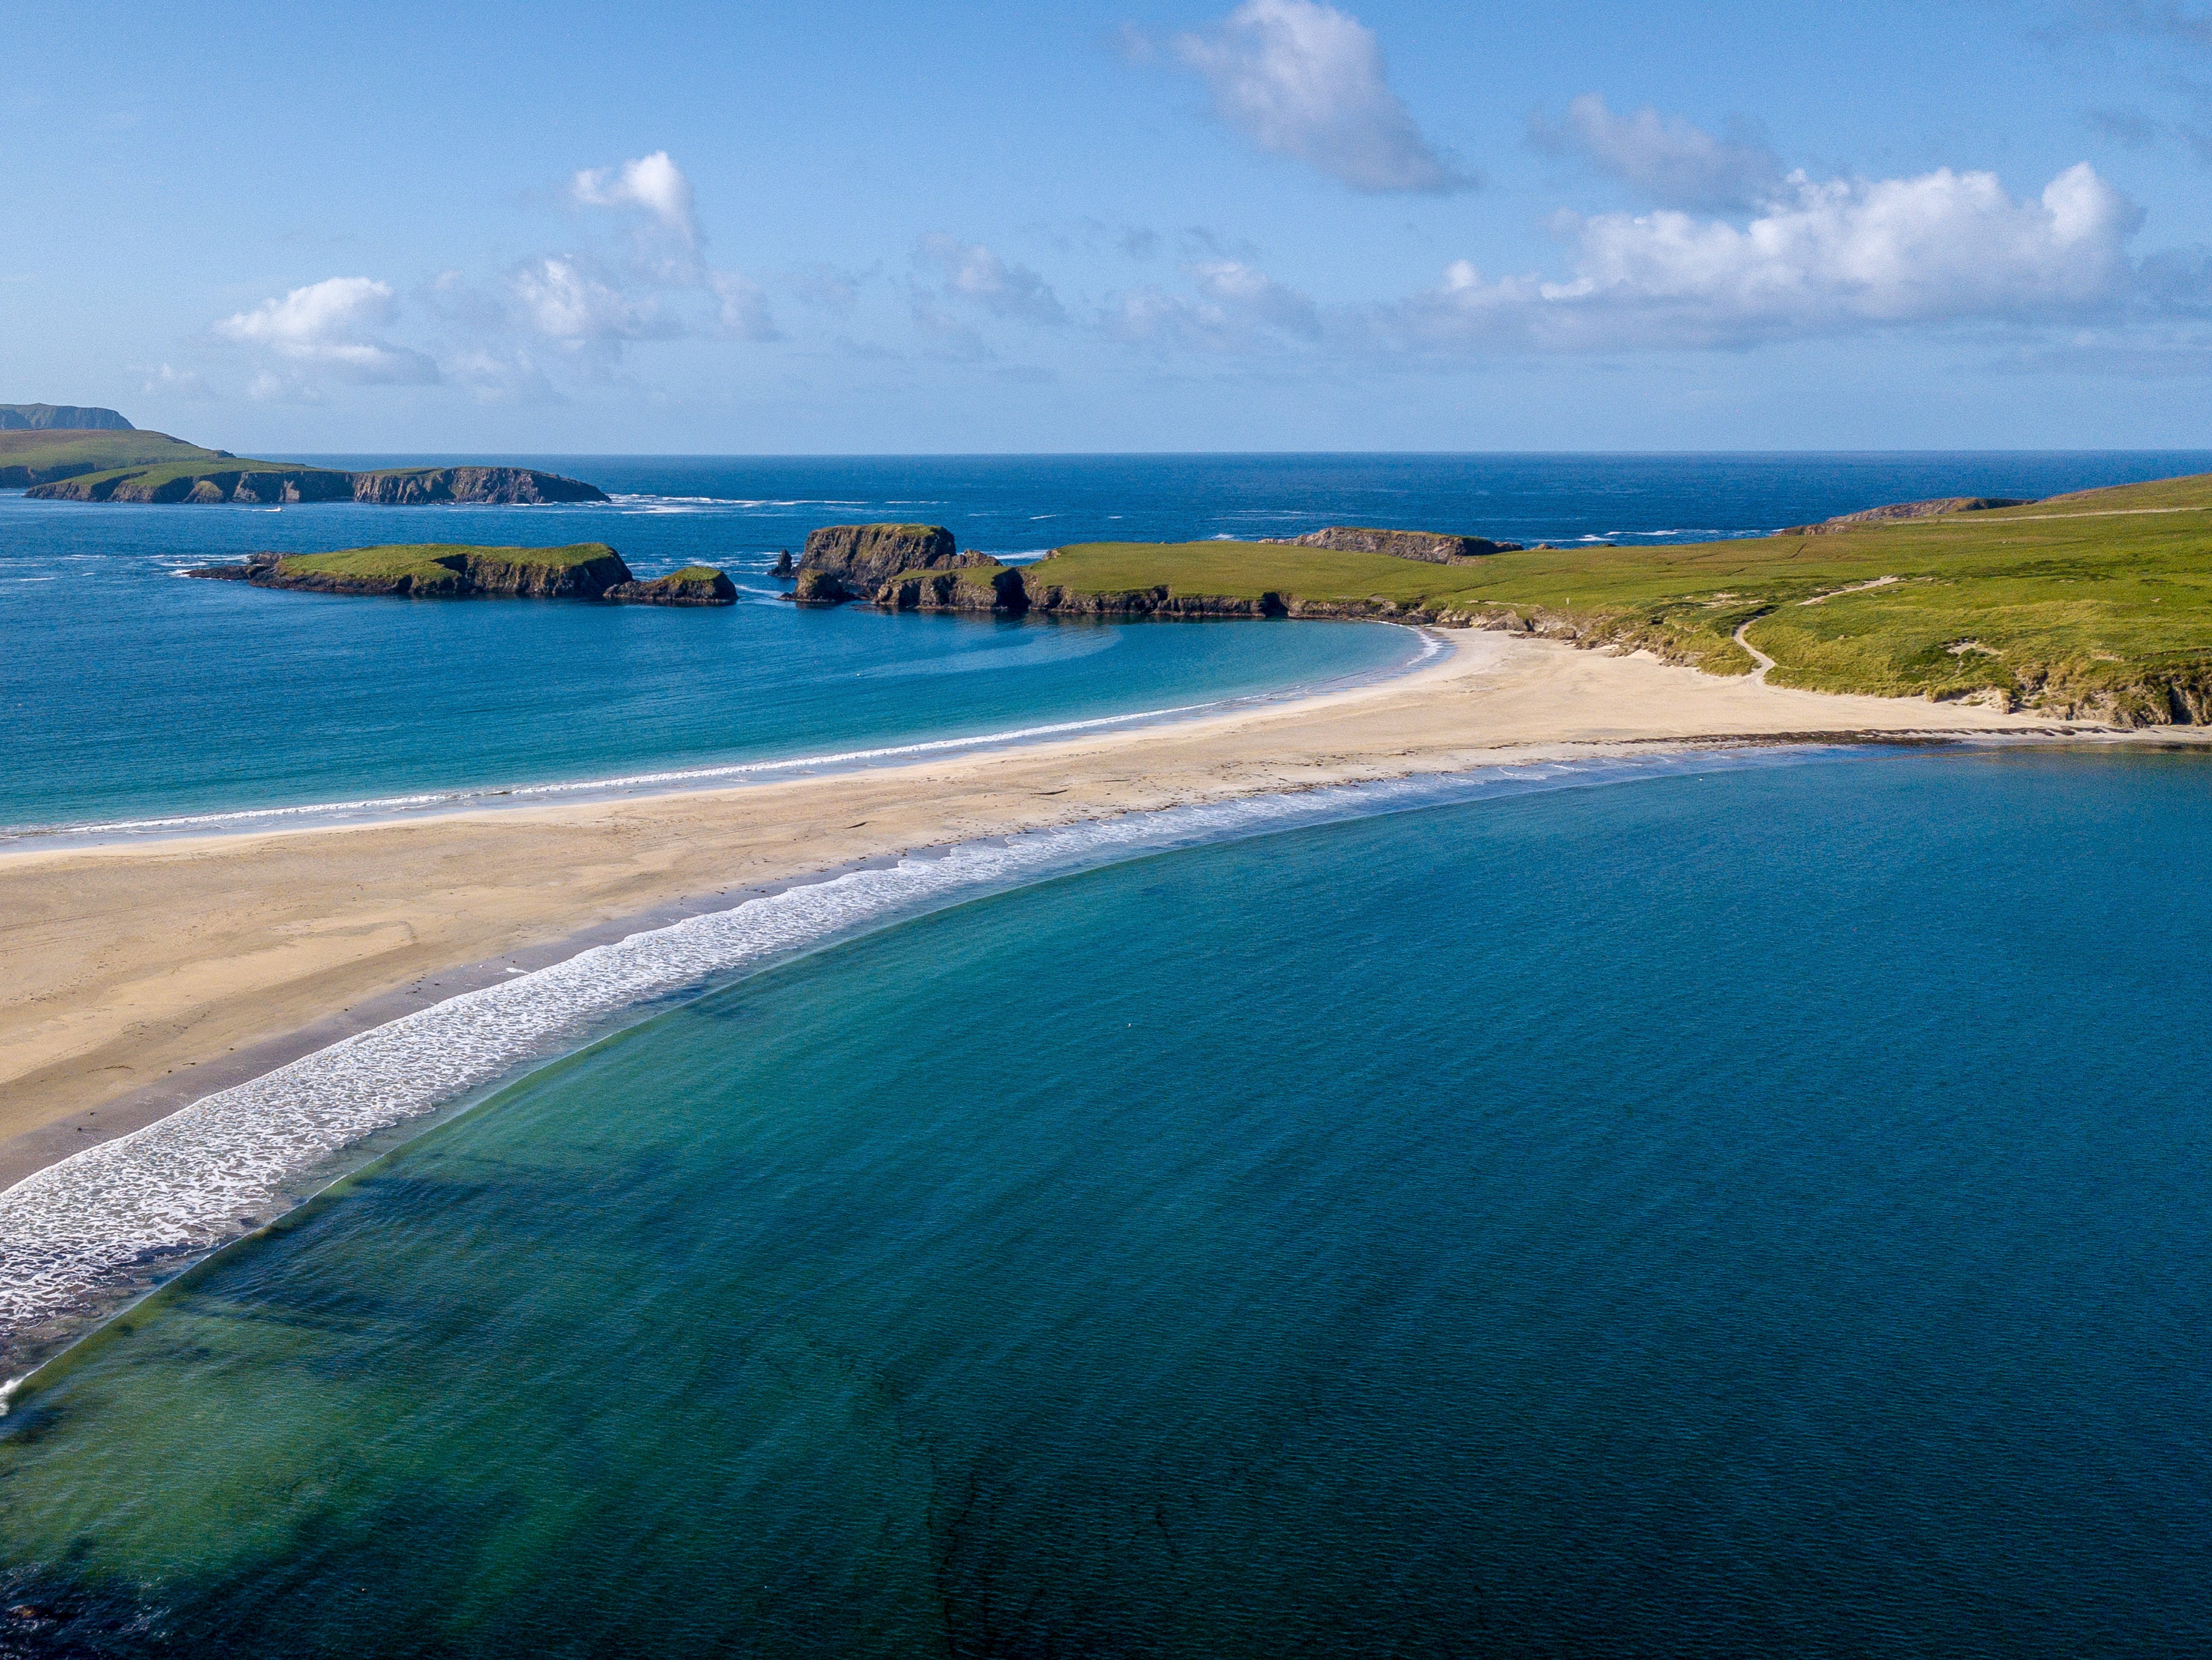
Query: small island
{"points": [[435, 570]]}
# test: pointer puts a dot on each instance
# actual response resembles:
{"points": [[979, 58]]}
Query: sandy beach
{"points": [[136, 978]]}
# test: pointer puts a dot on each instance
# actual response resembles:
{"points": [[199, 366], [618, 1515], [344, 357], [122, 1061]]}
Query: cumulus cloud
{"points": [[667, 257], [1237, 287], [1237, 308], [501, 377], [564, 298], [1666, 158], [1306, 81], [974, 273], [741, 307], [330, 327], [652, 183], [1835, 257]]}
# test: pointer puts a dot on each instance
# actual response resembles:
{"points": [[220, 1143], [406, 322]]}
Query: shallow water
{"points": [[138, 695], [1760, 1212]]}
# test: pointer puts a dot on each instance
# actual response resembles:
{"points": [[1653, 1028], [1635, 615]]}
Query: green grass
{"points": [[202, 467], [39, 458], [981, 576], [2099, 601], [689, 573], [427, 561]]}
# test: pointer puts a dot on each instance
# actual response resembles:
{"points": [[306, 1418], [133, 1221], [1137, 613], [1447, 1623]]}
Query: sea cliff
{"points": [[231, 479]]}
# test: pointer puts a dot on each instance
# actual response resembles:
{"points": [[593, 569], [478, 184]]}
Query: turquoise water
{"points": [[143, 697], [1755, 1213]]}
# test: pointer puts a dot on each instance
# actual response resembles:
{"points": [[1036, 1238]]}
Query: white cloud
{"points": [[1238, 308], [166, 382], [564, 300], [973, 272], [1674, 163], [1238, 288], [1835, 257], [568, 303], [494, 377], [652, 182], [1306, 81], [742, 308], [328, 327]]}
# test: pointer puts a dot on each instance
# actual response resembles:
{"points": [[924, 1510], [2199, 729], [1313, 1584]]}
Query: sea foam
{"points": [[77, 1235]]}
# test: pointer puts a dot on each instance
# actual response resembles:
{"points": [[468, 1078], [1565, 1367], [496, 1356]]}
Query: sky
{"points": [[1274, 225]]}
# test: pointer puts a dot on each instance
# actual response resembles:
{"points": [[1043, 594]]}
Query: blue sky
{"points": [[1272, 225]]}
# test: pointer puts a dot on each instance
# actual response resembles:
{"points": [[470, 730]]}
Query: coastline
{"points": [[427, 805], [142, 976]]}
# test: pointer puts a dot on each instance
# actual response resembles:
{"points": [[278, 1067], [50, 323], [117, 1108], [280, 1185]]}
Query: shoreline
{"points": [[430, 805], [174, 968], [87, 1235]]}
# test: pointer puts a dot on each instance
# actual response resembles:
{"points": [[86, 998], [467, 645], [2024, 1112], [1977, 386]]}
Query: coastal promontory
{"points": [[125, 465]]}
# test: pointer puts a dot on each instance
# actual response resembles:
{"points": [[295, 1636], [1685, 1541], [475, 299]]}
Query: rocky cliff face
{"points": [[978, 588], [1431, 547], [60, 417], [281, 486], [695, 585], [859, 559], [410, 486], [264, 483]]}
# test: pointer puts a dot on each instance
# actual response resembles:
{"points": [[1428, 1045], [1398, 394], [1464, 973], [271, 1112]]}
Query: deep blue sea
{"points": [[1758, 1211], [140, 696], [1739, 1204]]}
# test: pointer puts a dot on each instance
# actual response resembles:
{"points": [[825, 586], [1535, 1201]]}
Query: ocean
{"points": [[1721, 1204], [148, 704], [1737, 1212]]}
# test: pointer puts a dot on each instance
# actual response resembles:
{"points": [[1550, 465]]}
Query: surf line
{"points": [[73, 1232]]}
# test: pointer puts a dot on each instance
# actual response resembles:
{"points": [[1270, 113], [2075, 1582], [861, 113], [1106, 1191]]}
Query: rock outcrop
{"points": [[1900, 510], [981, 585], [695, 585], [851, 562], [60, 417], [818, 587], [1431, 547], [785, 570]]}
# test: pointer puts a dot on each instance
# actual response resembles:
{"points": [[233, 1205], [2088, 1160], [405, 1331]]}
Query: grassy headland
{"points": [[44, 456], [154, 467], [2098, 602]]}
